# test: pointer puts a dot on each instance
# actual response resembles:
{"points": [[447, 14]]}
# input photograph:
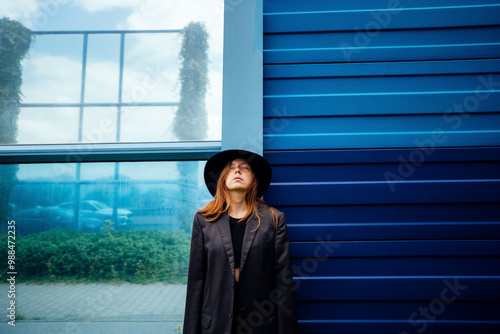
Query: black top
{"points": [[237, 233]]}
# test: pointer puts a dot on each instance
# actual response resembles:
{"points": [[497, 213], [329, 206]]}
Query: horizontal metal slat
{"points": [[371, 156], [353, 42], [383, 39], [394, 310], [384, 192], [396, 288], [312, 141], [397, 266], [388, 53], [396, 124], [373, 249], [377, 171], [359, 40], [395, 17], [279, 6], [395, 231], [390, 213], [474, 66], [472, 84], [388, 104], [403, 326]]}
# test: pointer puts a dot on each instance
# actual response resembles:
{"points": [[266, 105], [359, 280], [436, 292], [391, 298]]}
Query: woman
{"points": [[239, 277]]}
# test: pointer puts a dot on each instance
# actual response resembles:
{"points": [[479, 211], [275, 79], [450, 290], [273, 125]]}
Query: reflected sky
{"points": [[52, 69], [140, 171]]}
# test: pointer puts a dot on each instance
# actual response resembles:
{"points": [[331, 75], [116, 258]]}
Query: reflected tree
{"points": [[190, 121], [42, 192], [15, 41]]}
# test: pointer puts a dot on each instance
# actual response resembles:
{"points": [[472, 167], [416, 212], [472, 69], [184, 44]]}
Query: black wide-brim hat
{"points": [[260, 167]]}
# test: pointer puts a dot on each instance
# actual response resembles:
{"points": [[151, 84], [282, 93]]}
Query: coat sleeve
{"points": [[285, 299], [196, 281]]}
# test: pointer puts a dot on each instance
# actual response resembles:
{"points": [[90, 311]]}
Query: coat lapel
{"points": [[225, 233], [248, 239]]}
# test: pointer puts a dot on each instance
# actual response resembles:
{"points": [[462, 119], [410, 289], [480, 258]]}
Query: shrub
{"points": [[118, 256]]}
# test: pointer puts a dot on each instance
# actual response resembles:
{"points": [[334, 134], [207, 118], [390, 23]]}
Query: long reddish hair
{"points": [[222, 201]]}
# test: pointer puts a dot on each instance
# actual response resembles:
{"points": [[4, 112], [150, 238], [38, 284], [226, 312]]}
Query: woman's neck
{"points": [[238, 207]]}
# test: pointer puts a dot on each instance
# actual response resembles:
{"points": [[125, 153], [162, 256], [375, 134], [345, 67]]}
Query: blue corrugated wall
{"points": [[382, 123]]}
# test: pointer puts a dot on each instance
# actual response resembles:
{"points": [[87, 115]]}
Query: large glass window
{"points": [[127, 65], [120, 231]]}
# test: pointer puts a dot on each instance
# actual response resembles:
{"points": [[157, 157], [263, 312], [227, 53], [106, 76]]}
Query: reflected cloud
{"points": [[51, 79], [103, 5], [52, 71], [21, 10]]}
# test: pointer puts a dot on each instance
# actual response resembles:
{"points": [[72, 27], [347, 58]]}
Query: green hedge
{"points": [[112, 256]]}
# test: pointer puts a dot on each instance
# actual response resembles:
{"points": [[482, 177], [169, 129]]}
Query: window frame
{"points": [[242, 102]]}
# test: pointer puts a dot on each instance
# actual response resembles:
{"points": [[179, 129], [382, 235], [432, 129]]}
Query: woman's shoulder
{"points": [[200, 217], [203, 219], [273, 216], [267, 209]]}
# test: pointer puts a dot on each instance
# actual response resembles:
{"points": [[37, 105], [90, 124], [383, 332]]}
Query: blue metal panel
{"points": [[383, 130], [399, 248], [473, 66], [402, 327], [387, 231], [394, 53], [378, 192], [394, 16], [397, 131], [380, 104], [295, 94], [359, 172], [381, 263], [375, 140], [378, 85], [396, 123], [402, 213], [404, 266], [394, 309], [318, 157], [414, 38], [292, 6], [348, 317], [395, 288]]}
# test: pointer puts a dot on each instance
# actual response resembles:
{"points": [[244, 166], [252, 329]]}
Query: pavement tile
{"points": [[97, 301]]}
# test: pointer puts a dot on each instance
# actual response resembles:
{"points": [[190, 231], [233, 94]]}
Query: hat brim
{"points": [[260, 167]]}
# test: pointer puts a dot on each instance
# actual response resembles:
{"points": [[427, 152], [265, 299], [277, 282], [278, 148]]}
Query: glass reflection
{"points": [[135, 195], [48, 125], [103, 68], [117, 226], [52, 70]]}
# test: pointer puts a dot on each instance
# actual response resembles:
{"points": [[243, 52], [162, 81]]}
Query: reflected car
{"points": [[99, 210], [41, 219]]}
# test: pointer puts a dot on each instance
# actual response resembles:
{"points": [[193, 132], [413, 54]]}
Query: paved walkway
{"points": [[107, 327], [76, 305]]}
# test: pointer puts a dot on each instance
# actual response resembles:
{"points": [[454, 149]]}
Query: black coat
{"points": [[266, 295]]}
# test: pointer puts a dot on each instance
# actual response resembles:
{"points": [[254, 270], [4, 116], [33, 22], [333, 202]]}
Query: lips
{"points": [[238, 178]]}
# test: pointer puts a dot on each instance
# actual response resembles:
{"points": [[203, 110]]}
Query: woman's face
{"points": [[240, 176]]}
